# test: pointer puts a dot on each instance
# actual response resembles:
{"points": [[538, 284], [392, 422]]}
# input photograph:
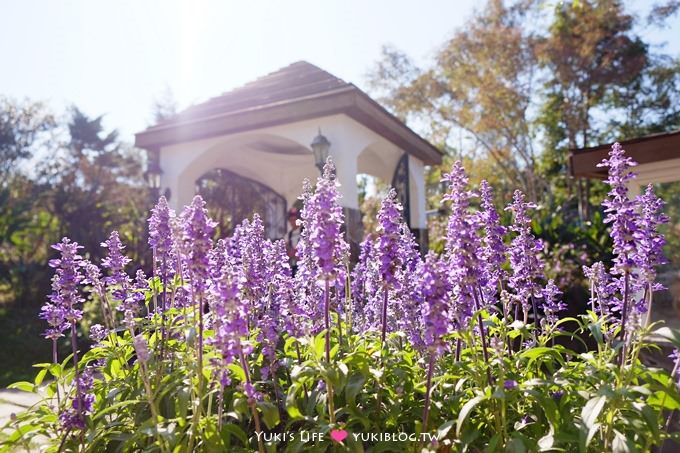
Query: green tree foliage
{"points": [[523, 82], [482, 82], [57, 178], [527, 80], [602, 83], [22, 127], [95, 183]]}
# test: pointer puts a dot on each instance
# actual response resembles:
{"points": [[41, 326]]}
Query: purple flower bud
{"points": [[98, 333], [141, 348]]}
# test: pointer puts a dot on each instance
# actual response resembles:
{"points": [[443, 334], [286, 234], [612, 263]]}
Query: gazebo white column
{"points": [[344, 154], [418, 201]]}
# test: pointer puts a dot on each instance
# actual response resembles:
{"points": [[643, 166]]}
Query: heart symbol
{"points": [[338, 435]]}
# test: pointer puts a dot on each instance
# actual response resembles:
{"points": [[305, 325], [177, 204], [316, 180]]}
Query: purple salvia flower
{"points": [[254, 267], [73, 418], [118, 279], [218, 257], [329, 249], [268, 322], [434, 297], [625, 218], [602, 289], [162, 245], [251, 393], [493, 252], [463, 246], [292, 315], [649, 248], [230, 322], [98, 289], [98, 333], [409, 319], [197, 237], [552, 304], [365, 283], [620, 209], [61, 311], [141, 285], [389, 250], [115, 262], [160, 229], [389, 254], [307, 292], [649, 241], [523, 252]]}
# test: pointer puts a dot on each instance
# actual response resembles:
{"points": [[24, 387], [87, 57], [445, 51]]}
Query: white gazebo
{"points": [[260, 135]]}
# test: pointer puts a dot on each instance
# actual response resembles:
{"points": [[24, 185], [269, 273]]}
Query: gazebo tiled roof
{"points": [[300, 91]]}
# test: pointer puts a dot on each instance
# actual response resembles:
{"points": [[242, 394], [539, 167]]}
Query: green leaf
{"points": [[229, 430], [239, 373], [40, 376], [620, 444], [444, 429], [534, 353], [24, 386], [465, 411], [353, 387], [270, 413], [592, 410], [672, 335]]}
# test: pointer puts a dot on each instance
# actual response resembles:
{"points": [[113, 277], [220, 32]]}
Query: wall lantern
{"points": [[153, 176], [320, 146]]}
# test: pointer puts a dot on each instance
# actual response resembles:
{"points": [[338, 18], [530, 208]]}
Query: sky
{"points": [[115, 58]]}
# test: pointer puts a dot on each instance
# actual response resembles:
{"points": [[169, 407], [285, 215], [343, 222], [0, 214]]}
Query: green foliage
{"points": [[561, 399], [523, 82], [55, 178]]}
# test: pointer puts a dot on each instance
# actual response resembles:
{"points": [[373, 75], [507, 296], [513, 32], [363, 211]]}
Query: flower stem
{"points": [[624, 316], [535, 310], [74, 346], [384, 318], [55, 360], [426, 409], [327, 321], [251, 401], [482, 334], [327, 317]]}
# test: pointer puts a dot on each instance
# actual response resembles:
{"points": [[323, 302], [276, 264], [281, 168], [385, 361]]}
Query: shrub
{"points": [[224, 349]]}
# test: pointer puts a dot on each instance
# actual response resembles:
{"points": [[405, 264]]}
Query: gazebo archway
{"points": [[230, 198]]}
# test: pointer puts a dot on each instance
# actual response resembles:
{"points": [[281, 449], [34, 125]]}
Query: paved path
{"points": [[15, 401]]}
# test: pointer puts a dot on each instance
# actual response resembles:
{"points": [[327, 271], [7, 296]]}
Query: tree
{"points": [[23, 125], [482, 82], [601, 82], [527, 81], [97, 185]]}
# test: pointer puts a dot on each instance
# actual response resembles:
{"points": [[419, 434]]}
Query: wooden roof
{"points": [[643, 150], [297, 92]]}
